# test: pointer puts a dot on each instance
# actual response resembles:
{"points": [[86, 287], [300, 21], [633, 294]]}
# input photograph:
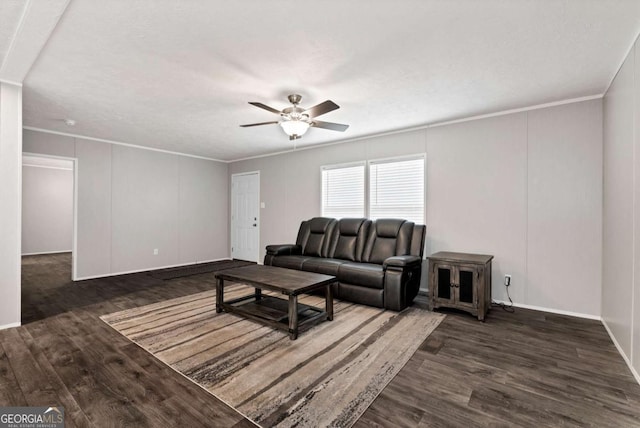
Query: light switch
{"points": [[262, 205]]}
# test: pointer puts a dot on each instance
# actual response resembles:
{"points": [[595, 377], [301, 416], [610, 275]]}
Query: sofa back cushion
{"points": [[388, 238], [314, 236], [348, 239]]}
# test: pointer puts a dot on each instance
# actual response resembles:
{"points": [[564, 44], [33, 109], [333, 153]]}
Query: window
{"points": [[343, 191], [394, 188]]}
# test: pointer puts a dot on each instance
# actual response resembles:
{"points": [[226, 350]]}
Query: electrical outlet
{"points": [[507, 280], [155, 251]]}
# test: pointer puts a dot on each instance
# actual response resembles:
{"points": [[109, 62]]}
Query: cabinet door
{"points": [[444, 276], [466, 286]]}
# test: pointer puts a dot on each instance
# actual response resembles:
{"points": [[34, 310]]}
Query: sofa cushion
{"points": [[348, 239], [363, 274], [388, 238], [314, 236], [322, 265], [289, 262], [361, 295]]}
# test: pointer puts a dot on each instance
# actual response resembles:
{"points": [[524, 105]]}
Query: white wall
{"points": [[564, 207], [477, 195], [94, 233], [132, 201], [10, 200], [47, 209], [621, 263], [525, 187]]}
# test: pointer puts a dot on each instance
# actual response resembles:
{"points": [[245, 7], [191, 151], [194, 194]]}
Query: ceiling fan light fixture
{"points": [[295, 127], [295, 120]]}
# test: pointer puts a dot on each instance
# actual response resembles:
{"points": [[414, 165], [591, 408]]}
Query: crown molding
{"points": [[119, 143], [431, 125], [9, 82]]}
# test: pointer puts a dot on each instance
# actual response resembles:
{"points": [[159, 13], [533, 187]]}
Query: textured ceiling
{"points": [[178, 75], [10, 13]]}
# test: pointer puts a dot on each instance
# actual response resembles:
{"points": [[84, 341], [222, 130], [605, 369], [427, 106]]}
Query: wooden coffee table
{"points": [[288, 315]]}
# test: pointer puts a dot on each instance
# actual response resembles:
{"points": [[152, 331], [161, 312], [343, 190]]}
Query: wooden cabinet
{"points": [[461, 281]]}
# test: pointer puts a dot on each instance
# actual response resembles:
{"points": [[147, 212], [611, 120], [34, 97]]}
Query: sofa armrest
{"points": [[401, 262], [284, 250], [401, 281]]}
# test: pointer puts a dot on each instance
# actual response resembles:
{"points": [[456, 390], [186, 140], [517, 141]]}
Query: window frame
{"points": [[367, 174]]}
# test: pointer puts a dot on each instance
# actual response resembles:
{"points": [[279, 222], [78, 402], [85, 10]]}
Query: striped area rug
{"points": [[327, 377]]}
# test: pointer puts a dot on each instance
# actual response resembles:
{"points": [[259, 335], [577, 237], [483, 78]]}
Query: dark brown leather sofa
{"points": [[377, 263]]}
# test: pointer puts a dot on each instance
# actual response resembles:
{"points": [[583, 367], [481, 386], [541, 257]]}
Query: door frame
{"points": [[231, 221], [74, 240]]}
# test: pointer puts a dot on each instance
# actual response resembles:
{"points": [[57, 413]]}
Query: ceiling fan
{"points": [[295, 120]]}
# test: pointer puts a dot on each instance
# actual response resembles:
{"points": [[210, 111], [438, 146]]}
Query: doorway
{"points": [[245, 216], [49, 206]]}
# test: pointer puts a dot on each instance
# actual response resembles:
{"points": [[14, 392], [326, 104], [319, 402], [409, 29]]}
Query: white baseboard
{"points": [[425, 292], [106, 275], [15, 324], [46, 252], [624, 356], [553, 311]]}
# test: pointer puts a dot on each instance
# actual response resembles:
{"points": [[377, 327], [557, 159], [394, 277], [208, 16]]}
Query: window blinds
{"points": [[343, 191], [396, 189]]}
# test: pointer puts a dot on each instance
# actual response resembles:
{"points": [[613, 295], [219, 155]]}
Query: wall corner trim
{"points": [[624, 356], [12, 325], [624, 58]]}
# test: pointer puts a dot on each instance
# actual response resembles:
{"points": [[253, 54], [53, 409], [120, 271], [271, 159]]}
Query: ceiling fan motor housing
{"points": [[295, 99]]}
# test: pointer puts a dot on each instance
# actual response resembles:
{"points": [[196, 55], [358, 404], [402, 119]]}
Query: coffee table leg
{"points": [[329, 302], [219, 294], [293, 317], [258, 293]]}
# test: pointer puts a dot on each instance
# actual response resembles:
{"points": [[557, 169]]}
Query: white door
{"points": [[245, 216]]}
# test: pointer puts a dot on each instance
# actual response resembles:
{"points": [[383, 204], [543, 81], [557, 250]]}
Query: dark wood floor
{"points": [[522, 369]]}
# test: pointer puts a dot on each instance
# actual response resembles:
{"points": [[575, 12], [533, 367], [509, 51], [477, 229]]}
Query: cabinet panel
{"points": [[466, 286], [444, 274], [461, 281]]}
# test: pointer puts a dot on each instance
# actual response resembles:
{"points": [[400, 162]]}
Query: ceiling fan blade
{"points": [[322, 108], [266, 107], [330, 125], [258, 124]]}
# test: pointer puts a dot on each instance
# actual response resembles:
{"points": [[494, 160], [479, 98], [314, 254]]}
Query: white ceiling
{"points": [[178, 75]]}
